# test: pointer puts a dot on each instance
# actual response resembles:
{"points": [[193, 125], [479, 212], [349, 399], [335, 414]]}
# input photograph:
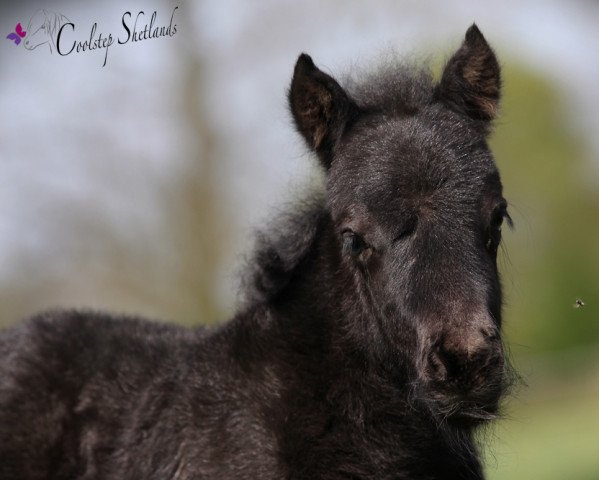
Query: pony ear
{"points": [[471, 80], [320, 107]]}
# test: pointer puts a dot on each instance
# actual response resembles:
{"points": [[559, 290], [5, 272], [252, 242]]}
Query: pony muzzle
{"points": [[464, 372]]}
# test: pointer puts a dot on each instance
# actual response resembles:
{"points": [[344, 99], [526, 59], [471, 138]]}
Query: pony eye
{"points": [[493, 236], [408, 228], [499, 215], [353, 244], [492, 243], [497, 220]]}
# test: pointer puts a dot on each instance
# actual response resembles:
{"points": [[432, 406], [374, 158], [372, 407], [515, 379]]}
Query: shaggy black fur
{"points": [[369, 346]]}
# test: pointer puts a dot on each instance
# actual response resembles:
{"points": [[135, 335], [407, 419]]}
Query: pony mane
{"points": [[280, 248], [396, 87]]}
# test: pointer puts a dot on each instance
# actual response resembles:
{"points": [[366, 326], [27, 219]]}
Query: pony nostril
{"points": [[444, 364], [462, 362], [455, 362], [437, 366], [490, 334]]}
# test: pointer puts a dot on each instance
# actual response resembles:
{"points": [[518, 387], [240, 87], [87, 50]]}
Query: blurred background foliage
{"points": [[554, 251], [548, 262], [136, 188]]}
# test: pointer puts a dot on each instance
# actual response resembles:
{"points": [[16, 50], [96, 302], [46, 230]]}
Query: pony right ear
{"points": [[471, 81], [320, 107]]}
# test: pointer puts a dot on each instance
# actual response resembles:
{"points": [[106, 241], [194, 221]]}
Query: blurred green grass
{"points": [[551, 434]]}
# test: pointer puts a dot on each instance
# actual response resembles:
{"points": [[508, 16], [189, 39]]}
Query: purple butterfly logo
{"points": [[19, 33]]}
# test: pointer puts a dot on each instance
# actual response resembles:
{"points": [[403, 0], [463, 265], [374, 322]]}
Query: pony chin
{"points": [[457, 406]]}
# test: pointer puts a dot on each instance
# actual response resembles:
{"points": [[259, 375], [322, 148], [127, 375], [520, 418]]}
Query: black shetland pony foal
{"points": [[370, 347]]}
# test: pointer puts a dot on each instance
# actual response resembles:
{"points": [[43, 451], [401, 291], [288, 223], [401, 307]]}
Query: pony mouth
{"points": [[468, 409], [473, 415]]}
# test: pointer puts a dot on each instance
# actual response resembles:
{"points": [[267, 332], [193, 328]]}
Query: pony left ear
{"points": [[320, 107], [471, 81]]}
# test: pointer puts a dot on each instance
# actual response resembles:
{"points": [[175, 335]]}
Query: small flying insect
{"points": [[579, 303]]}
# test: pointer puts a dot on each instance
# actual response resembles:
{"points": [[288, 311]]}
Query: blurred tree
{"points": [[168, 268], [195, 217], [553, 254]]}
